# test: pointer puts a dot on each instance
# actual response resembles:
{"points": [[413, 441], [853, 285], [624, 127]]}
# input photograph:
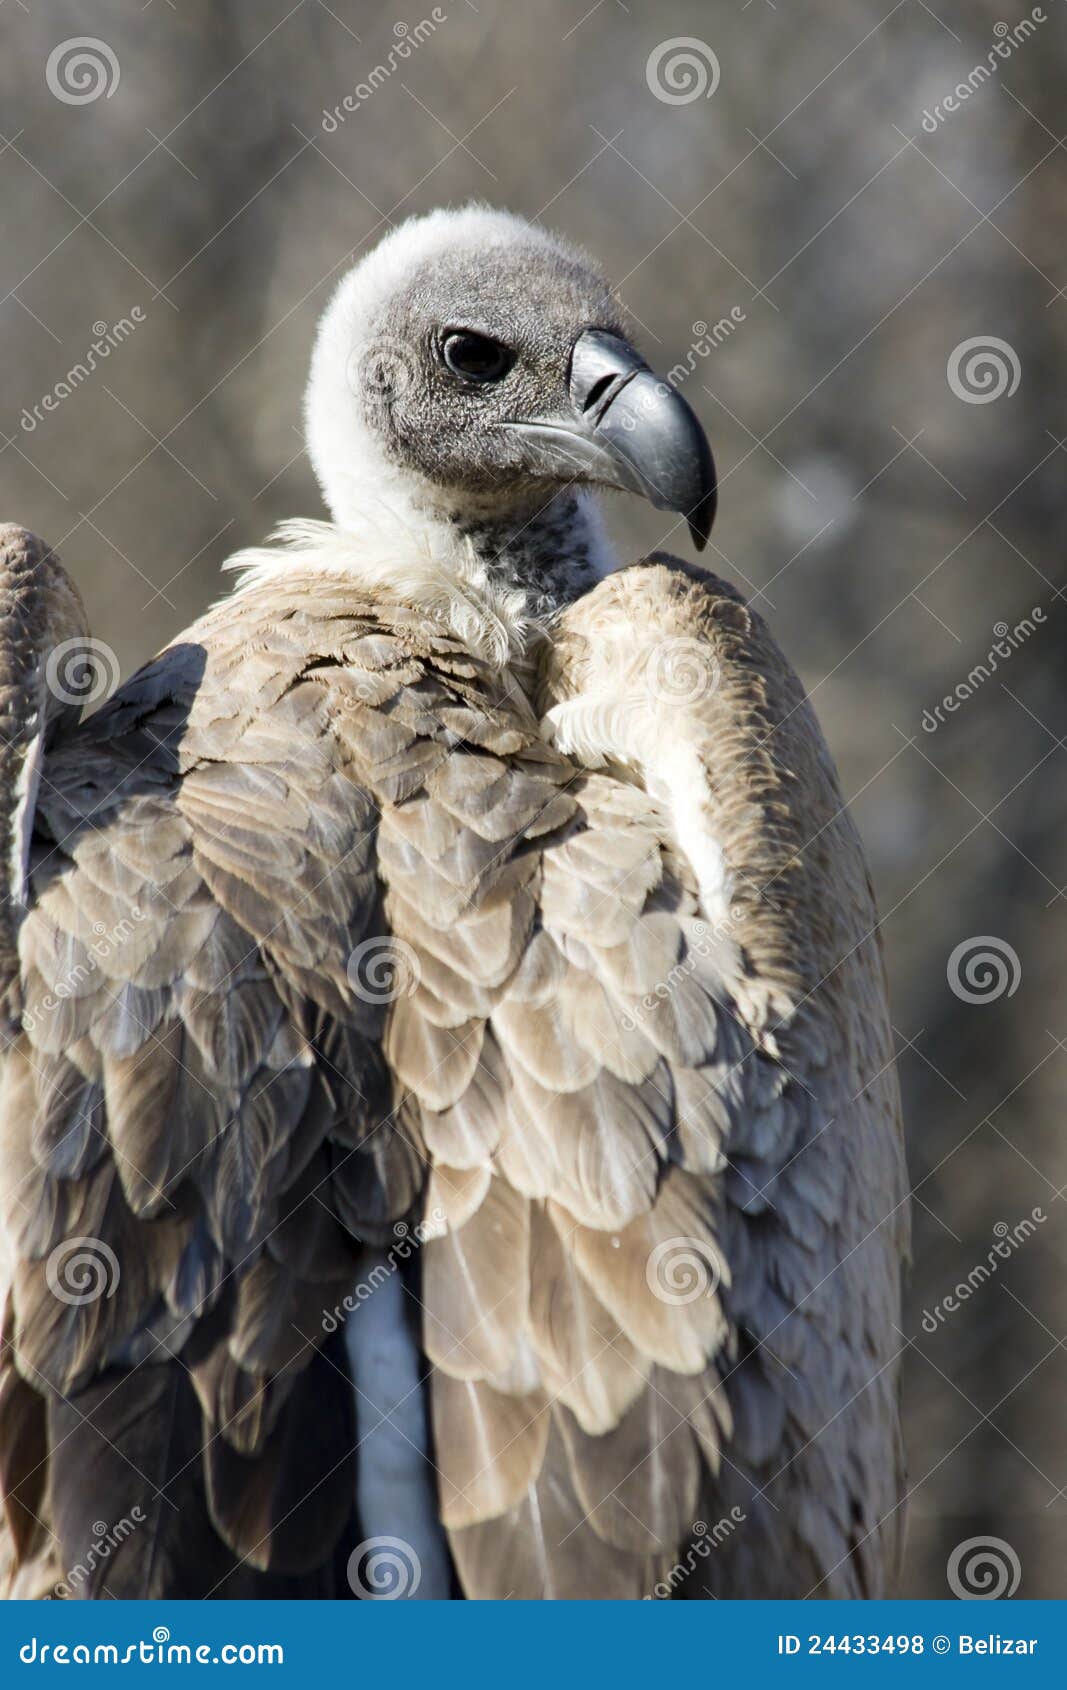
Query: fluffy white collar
{"points": [[424, 566]]}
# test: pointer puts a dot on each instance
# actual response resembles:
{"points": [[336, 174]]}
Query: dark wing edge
{"points": [[44, 643]]}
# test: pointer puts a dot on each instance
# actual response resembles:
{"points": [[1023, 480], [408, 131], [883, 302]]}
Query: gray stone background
{"points": [[888, 499]]}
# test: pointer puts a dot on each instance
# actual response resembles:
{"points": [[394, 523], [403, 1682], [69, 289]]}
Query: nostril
{"points": [[598, 390]]}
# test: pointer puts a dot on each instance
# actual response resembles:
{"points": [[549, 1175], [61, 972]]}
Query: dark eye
{"points": [[475, 356]]}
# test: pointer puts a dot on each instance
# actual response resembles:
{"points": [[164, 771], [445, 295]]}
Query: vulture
{"points": [[449, 1139]]}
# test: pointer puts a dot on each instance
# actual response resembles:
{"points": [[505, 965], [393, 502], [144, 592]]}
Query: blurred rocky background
{"points": [[844, 224]]}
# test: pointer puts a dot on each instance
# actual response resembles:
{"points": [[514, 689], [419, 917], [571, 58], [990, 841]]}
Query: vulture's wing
{"points": [[186, 1110], [656, 1091], [657, 1140]]}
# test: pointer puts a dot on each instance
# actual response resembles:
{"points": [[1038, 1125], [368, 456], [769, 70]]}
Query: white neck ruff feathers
{"points": [[421, 566]]}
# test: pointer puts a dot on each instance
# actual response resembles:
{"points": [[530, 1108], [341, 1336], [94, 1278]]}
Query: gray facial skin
{"points": [[532, 301]]}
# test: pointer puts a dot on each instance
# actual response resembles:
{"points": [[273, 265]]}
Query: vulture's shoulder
{"points": [[666, 672], [245, 770], [297, 642]]}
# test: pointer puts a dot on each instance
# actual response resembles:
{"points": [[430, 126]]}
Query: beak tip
{"points": [[702, 516]]}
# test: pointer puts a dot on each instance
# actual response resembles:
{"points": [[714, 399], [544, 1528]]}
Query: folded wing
{"points": [[322, 937]]}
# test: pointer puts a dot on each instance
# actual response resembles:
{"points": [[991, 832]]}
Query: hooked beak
{"points": [[628, 429]]}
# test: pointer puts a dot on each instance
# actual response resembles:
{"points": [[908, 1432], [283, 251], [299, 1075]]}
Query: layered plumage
{"points": [[395, 906]]}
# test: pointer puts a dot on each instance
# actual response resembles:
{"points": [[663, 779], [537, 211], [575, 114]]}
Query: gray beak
{"points": [[628, 429]]}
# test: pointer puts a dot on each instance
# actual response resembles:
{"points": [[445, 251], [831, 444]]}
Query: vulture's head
{"points": [[474, 369]]}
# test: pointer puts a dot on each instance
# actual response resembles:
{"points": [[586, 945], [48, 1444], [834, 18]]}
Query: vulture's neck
{"points": [[496, 579], [553, 550], [542, 548], [527, 559]]}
